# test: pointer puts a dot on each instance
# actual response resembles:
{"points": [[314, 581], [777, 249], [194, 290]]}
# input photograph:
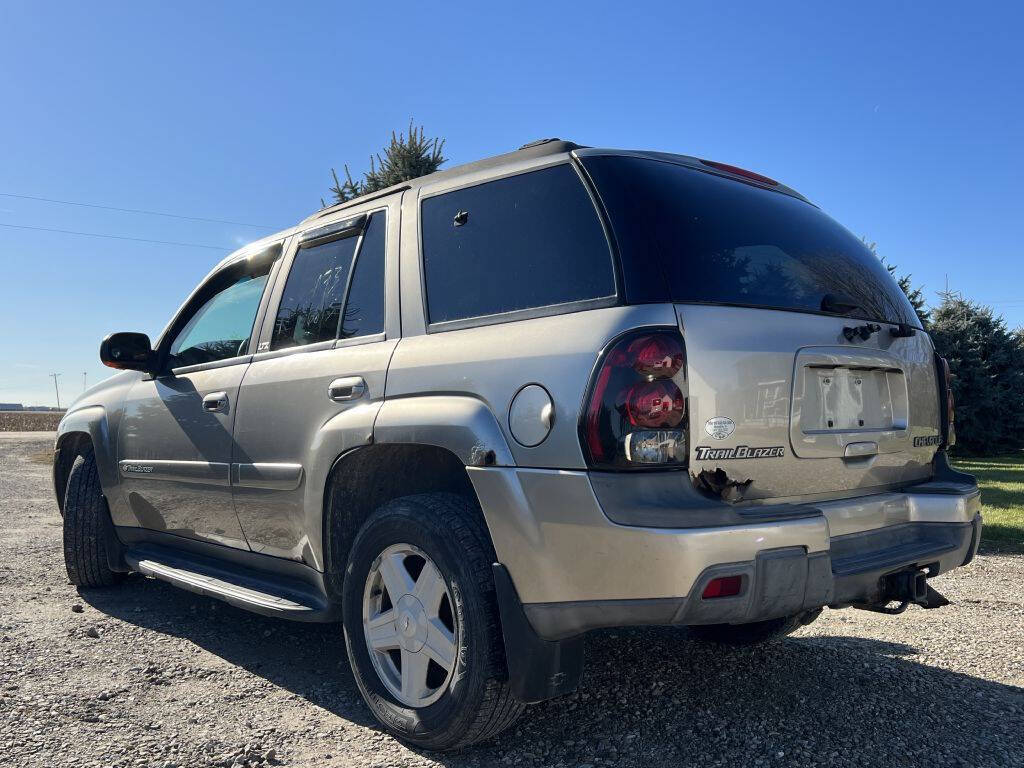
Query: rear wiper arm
{"points": [[839, 304]]}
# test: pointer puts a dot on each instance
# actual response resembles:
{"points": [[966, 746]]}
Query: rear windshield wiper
{"points": [[838, 304]]}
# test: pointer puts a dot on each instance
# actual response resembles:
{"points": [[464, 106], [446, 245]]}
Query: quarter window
{"points": [[522, 242], [364, 309]]}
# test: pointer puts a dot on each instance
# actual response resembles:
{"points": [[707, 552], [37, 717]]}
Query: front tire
{"points": [[421, 623], [756, 632], [86, 522]]}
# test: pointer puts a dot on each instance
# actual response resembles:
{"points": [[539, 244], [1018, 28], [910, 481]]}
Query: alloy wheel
{"points": [[410, 625]]}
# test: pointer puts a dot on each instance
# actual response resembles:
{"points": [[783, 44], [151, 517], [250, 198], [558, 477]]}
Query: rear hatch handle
{"points": [[860, 450]]}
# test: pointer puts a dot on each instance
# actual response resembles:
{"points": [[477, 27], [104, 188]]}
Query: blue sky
{"points": [[903, 121]]}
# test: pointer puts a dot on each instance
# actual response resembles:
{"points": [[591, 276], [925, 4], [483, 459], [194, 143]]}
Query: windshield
{"points": [[716, 240]]}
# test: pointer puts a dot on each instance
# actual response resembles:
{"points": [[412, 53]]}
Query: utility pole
{"points": [[56, 388]]}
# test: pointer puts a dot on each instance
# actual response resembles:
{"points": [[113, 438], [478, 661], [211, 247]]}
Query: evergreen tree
{"points": [[405, 158], [987, 362]]}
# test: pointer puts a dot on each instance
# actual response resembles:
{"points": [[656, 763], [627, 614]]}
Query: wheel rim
{"points": [[409, 624]]}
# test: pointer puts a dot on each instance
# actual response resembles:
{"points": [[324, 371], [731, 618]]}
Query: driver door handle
{"points": [[216, 402], [347, 388]]}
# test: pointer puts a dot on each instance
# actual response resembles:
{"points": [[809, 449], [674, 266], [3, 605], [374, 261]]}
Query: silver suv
{"points": [[476, 415]]}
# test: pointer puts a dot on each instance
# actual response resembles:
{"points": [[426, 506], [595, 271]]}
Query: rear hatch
{"points": [[781, 399], [808, 373]]}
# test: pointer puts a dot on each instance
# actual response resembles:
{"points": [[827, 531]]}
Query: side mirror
{"points": [[127, 351]]}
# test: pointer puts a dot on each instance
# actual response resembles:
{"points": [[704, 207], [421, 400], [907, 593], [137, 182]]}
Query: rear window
{"points": [[690, 236], [522, 242]]}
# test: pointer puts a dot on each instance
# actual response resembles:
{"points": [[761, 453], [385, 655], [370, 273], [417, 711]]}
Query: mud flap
{"points": [[537, 669], [114, 547]]}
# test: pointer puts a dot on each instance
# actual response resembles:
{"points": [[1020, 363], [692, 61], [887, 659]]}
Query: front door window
{"points": [[221, 327]]}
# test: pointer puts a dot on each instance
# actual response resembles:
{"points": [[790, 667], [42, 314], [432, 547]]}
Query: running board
{"points": [[269, 594]]}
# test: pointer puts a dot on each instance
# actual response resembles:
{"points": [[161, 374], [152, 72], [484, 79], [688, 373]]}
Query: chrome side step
{"points": [[262, 592]]}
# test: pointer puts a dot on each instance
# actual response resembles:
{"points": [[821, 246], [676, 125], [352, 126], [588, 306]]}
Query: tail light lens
{"points": [[635, 416], [946, 404]]}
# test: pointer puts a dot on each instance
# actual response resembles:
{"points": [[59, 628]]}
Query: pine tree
{"points": [[987, 362], [405, 158], [343, 192]]}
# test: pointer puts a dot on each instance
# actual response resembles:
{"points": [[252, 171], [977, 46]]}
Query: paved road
{"points": [[174, 679]]}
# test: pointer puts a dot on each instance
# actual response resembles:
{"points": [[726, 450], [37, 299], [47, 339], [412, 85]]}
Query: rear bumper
{"points": [[574, 569]]}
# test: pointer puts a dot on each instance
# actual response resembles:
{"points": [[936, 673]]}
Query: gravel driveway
{"points": [[146, 675]]}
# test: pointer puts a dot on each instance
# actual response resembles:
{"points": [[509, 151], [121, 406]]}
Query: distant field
{"points": [[29, 421], [1001, 479]]}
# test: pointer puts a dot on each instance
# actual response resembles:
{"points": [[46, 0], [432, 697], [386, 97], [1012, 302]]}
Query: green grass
{"points": [[1001, 479]]}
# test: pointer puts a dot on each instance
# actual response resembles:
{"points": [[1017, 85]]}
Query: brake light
{"points": [[635, 416], [741, 172], [946, 403]]}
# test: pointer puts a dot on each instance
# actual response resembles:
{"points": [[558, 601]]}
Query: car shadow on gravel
{"points": [[654, 694]]}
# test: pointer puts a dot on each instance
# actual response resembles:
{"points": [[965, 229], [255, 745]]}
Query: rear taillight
{"points": [[946, 404], [635, 415]]}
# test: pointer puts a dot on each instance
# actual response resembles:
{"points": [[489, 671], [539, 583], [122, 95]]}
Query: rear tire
{"points": [[473, 703], [86, 521], [756, 632]]}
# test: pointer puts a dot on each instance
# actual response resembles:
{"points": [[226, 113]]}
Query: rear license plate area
{"points": [[846, 400], [844, 396]]}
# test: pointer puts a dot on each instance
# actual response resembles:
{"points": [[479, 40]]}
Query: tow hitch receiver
{"points": [[906, 587]]}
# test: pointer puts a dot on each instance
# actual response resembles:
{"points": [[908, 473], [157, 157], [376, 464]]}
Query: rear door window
{"points": [[310, 307], [692, 236], [522, 242]]}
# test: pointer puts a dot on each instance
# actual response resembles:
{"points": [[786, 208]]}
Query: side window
{"points": [[364, 310], [526, 241], [221, 327], [311, 303]]}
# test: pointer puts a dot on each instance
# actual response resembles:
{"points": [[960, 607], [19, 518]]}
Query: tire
{"points": [[86, 518], [755, 633], [474, 703]]}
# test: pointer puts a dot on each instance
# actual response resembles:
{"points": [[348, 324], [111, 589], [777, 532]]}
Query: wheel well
{"points": [[369, 477], [69, 446]]}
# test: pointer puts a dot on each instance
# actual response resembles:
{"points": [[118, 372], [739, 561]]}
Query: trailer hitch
{"points": [[906, 587]]}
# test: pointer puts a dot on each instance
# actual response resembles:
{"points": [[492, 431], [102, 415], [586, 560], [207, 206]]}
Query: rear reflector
{"points": [[723, 586]]}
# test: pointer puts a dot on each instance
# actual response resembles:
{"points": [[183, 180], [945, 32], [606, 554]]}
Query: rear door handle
{"points": [[347, 388], [215, 401]]}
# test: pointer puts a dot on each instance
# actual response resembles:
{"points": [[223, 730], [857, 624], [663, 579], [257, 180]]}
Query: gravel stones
{"points": [[227, 688]]}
